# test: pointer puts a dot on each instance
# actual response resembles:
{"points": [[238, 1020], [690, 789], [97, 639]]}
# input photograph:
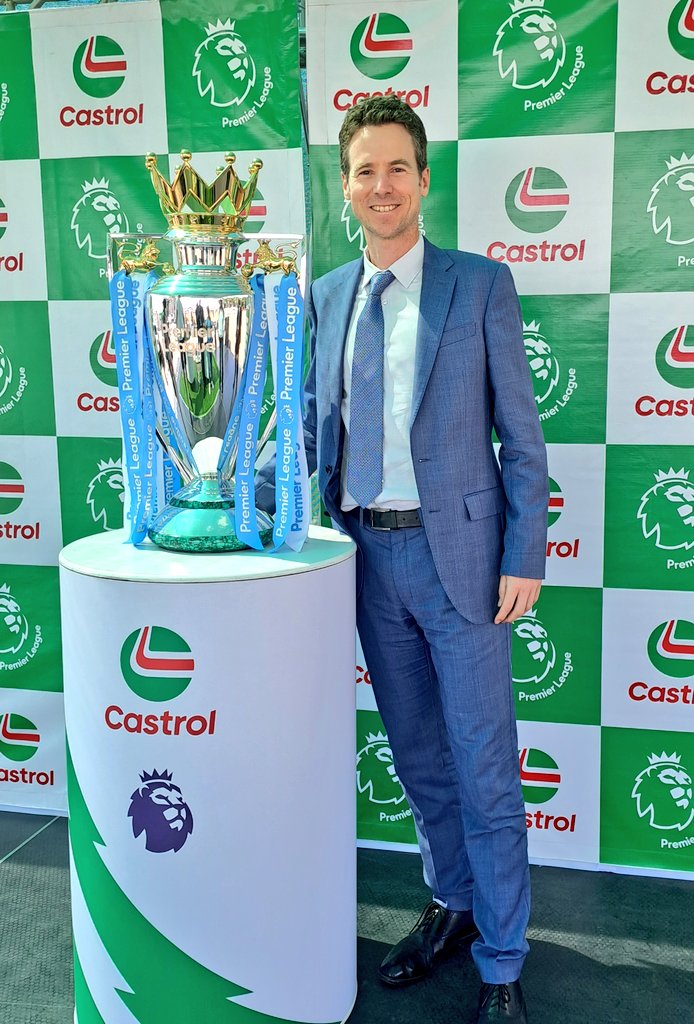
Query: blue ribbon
{"points": [[290, 498], [254, 386], [232, 431], [127, 311]]}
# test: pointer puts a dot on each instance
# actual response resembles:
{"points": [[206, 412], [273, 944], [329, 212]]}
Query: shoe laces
{"points": [[495, 997]]}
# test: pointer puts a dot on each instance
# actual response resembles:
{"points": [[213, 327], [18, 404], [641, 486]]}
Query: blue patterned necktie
{"points": [[365, 461]]}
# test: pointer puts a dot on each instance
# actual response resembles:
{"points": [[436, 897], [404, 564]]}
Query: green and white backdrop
{"points": [[84, 94], [562, 142]]}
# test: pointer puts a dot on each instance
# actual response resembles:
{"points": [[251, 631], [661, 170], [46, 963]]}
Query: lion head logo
{"points": [[667, 510], [353, 229], [223, 66], [355, 232], [106, 494], [534, 654], [671, 204], [5, 371], [376, 774], [544, 365], [663, 792], [14, 628], [158, 809], [529, 45], [95, 215]]}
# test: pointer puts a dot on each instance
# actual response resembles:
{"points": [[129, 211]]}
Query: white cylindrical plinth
{"points": [[210, 718]]}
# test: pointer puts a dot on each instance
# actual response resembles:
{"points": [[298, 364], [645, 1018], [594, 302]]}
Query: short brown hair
{"points": [[379, 110]]}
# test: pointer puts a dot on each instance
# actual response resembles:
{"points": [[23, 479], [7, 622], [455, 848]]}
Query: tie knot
{"points": [[379, 283]]}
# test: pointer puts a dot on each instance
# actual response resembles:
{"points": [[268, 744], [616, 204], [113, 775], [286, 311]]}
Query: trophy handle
{"points": [[230, 463], [181, 467]]}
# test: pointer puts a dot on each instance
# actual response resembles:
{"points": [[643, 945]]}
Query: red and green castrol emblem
{"points": [[540, 776], [19, 737], [674, 357], [257, 215], [102, 359], [11, 489], [156, 663], [671, 648], [537, 199], [381, 46], [680, 28], [99, 66], [4, 218], [556, 502]]}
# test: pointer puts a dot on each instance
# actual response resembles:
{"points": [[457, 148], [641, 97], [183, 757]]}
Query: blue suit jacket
{"points": [[482, 518]]}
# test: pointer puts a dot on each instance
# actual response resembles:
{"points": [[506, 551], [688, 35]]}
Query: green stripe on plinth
{"points": [[168, 986]]}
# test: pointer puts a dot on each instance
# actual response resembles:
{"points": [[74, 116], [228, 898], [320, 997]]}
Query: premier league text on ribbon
{"points": [[136, 396], [288, 311], [245, 482]]}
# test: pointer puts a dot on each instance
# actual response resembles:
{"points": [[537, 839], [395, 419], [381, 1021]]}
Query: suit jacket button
{"points": [[328, 469]]}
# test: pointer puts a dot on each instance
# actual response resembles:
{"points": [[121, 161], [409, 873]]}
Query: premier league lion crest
{"points": [[106, 494], [544, 365], [376, 774], [534, 653], [671, 203], [353, 229], [158, 809], [663, 793], [14, 628], [666, 511], [223, 67], [95, 215], [529, 46], [5, 371]]}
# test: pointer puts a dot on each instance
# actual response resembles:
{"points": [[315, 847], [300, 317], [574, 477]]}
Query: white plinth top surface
{"points": [[111, 556]]}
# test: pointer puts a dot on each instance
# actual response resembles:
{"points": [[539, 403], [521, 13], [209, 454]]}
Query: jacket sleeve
{"points": [[265, 478], [522, 457]]}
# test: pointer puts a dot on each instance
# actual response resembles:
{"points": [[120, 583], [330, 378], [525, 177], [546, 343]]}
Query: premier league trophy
{"points": [[204, 366]]}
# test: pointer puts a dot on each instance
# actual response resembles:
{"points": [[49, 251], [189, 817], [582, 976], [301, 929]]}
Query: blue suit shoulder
{"points": [[468, 263], [335, 278]]}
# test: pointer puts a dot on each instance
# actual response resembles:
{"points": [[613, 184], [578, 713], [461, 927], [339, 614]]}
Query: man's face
{"points": [[383, 185]]}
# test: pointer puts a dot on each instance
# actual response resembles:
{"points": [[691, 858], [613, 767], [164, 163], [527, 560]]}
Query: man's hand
{"points": [[516, 597]]}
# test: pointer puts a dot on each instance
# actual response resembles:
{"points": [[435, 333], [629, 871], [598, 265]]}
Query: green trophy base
{"points": [[200, 517]]}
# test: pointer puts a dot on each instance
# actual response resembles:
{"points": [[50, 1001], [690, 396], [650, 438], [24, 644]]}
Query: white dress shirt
{"points": [[400, 302]]}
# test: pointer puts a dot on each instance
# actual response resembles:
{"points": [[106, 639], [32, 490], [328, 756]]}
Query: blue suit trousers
{"points": [[444, 691]]}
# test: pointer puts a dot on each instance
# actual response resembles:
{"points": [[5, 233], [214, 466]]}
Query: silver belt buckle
{"points": [[380, 529]]}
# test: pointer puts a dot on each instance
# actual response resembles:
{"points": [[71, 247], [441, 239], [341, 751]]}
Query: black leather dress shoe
{"points": [[502, 1003], [437, 933]]}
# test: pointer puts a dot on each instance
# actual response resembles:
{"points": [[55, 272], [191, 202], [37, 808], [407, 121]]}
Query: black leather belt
{"points": [[390, 519]]}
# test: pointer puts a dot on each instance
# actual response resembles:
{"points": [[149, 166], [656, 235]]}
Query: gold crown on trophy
{"points": [[189, 202]]}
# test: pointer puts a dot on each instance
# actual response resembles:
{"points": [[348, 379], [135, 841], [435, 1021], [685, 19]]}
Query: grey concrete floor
{"points": [[606, 949]]}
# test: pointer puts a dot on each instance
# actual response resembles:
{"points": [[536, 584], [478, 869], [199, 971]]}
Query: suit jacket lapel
{"points": [[336, 313], [434, 303]]}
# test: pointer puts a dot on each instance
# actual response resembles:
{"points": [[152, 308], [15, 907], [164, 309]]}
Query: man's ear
{"points": [[345, 187], [424, 182]]}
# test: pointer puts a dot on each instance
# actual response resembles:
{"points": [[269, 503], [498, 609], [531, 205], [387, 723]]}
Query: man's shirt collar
{"points": [[406, 269]]}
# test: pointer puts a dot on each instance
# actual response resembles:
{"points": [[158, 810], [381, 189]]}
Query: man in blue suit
{"points": [[416, 354]]}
